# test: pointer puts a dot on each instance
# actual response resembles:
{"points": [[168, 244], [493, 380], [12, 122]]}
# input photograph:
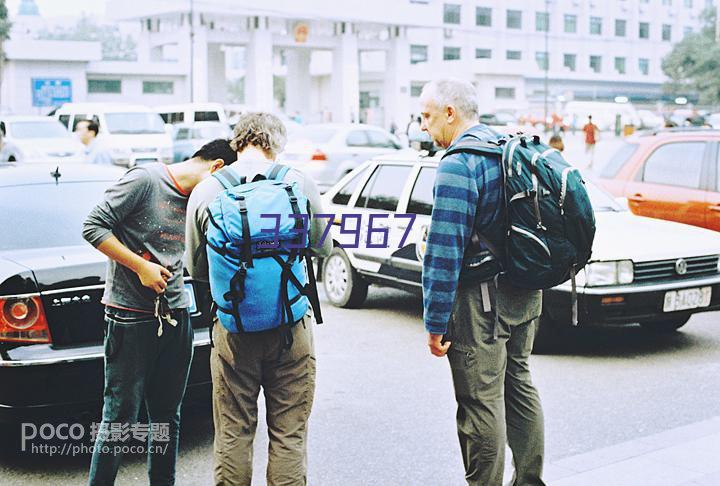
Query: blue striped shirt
{"points": [[464, 183]]}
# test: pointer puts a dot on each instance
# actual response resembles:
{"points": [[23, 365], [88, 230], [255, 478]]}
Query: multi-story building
{"points": [[368, 60], [589, 49]]}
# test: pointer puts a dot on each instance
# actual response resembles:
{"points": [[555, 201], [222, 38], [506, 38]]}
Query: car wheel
{"points": [[548, 335], [663, 326], [343, 285], [12, 159]]}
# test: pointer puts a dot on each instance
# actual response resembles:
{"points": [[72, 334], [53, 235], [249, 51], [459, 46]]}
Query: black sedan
{"points": [[51, 283]]}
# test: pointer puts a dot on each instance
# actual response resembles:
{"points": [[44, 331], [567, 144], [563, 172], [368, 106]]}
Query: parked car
{"points": [[192, 112], [134, 134], [51, 282], [604, 114], [638, 274], [326, 152], [499, 118], [31, 139], [671, 174], [189, 137]]}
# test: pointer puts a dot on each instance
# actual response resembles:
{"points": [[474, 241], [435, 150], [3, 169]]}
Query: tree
{"points": [[4, 35], [114, 47], [693, 63]]}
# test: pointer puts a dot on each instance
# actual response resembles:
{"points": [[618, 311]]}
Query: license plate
{"points": [[677, 300], [191, 296]]}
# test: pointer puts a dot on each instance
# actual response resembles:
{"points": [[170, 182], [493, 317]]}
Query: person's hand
{"points": [[154, 276], [437, 347]]}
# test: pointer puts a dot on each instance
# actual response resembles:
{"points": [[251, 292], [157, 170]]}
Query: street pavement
{"points": [[384, 409]]}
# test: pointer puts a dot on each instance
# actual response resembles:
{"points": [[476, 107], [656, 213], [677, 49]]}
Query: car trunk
{"points": [[71, 284]]}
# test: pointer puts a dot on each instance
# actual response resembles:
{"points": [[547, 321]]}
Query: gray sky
{"points": [[62, 8]]}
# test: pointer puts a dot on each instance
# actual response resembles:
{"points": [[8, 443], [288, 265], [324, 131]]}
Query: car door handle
{"points": [[716, 207], [637, 198]]}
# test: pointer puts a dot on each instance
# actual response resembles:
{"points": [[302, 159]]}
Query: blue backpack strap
{"points": [[277, 172], [227, 178]]}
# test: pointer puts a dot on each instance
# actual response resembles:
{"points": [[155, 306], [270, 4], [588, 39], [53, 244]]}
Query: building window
{"points": [[570, 24], [483, 16], [596, 63], [644, 30], [483, 53], [667, 32], [569, 61], [451, 13], [688, 3], [104, 86], [644, 66], [157, 87], [542, 21], [416, 88], [514, 19], [595, 25], [620, 65], [542, 60], [620, 27], [418, 54], [667, 2], [513, 55], [505, 93], [451, 54]]}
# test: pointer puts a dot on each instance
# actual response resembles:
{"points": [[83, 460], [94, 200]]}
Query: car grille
{"points": [[143, 150], [665, 269]]}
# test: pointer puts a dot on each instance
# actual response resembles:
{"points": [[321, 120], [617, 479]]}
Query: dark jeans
{"points": [[139, 365]]}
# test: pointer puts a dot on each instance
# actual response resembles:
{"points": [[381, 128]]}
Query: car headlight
{"points": [[609, 273]]}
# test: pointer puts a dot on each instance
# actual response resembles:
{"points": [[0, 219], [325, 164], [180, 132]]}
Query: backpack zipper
{"points": [[563, 187], [528, 234]]}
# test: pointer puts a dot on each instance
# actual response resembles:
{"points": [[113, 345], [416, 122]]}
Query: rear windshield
{"points": [[52, 217], [134, 123], [207, 116], [617, 161], [38, 129]]}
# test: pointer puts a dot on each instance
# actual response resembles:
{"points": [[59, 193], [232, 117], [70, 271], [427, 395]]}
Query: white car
{"points": [[655, 273], [133, 134], [29, 139], [328, 151]]}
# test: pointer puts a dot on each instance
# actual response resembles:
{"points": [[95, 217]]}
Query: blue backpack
{"points": [[548, 224], [258, 279]]}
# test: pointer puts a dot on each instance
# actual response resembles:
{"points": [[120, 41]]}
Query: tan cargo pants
{"points": [[497, 402], [242, 364]]}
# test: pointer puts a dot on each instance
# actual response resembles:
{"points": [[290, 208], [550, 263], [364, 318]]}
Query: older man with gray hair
{"points": [[486, 331], [243, 363]]}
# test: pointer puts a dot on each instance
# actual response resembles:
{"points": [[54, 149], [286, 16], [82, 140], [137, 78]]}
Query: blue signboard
{"points": [[51, 91]]}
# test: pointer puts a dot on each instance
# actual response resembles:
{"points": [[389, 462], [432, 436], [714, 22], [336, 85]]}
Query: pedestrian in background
{"points": [[497, 402], [556, 142], [592, 133], [87, 132]]}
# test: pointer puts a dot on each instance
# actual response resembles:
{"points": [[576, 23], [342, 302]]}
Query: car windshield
{"points": [[315, 134], [602, 201], [618, 159], [52, 217], [134, 123], [38, 129]]}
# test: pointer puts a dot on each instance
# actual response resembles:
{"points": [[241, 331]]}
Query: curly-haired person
{"points": [[242, 363]]}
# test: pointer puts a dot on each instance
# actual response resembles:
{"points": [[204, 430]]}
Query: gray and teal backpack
{"points": [[548, 224]]}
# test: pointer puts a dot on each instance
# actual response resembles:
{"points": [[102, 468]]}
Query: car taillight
{"points": [[22, 319], [318, 155]]}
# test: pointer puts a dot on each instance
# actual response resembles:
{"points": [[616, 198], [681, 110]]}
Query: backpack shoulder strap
{"points": [[277, 172], [227, 178], [475, 147]]}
